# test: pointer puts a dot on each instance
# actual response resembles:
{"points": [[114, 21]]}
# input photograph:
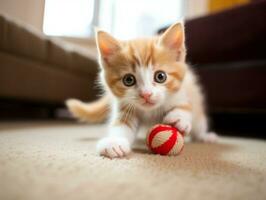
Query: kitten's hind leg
{"points": [[200, 131]]}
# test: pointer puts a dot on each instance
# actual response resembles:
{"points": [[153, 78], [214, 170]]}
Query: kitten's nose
{"points": [[145, 95]]}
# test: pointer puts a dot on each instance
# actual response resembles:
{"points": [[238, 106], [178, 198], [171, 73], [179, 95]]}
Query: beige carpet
{"points": [[58, 161]]}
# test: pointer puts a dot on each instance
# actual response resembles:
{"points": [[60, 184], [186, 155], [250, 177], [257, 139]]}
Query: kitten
{"points": [[146, 81]]}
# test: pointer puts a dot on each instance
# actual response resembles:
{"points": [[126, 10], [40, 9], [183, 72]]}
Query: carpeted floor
{"points": [[48, 160]]}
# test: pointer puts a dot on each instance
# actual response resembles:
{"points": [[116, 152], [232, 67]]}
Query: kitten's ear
{"points": [[106, 44], [173, 38]]}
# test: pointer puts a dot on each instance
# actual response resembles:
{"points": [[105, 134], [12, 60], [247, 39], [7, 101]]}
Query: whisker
{"points": [[124, 117]]}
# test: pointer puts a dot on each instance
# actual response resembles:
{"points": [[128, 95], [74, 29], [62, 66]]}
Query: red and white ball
{"points": [[165, 140]]}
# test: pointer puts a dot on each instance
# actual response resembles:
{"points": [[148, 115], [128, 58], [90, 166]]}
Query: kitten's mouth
{"points": [[148, 103]]}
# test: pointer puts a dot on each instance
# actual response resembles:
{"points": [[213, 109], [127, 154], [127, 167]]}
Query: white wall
{"points": [[28, 11], [195, 8]]}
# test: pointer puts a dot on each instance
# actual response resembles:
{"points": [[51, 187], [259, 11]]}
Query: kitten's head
{"points": [[143, 72]]}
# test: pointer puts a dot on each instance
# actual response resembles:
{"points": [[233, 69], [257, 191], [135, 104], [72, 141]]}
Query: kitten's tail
{"points": [[93, 112]]}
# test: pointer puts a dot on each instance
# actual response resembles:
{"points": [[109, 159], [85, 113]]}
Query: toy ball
{"points": [[165, 140]]}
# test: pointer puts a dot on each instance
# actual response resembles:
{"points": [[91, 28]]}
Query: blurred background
{"points": [[48, 54]]}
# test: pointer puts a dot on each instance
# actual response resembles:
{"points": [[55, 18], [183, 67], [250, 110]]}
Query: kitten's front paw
{"points": [[113, 147], [180, 122]]}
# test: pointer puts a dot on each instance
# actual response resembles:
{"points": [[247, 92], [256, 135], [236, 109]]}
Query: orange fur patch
{"points": [[142, 53], [186, 107]]}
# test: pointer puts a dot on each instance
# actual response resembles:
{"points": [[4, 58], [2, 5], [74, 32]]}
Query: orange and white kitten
{"points": [[147, 82]]}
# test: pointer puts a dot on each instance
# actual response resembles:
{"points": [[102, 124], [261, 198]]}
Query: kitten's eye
{"points": [[160, 77], [129, 80]]}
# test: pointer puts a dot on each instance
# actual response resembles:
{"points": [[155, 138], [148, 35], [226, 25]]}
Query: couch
{"points": [[40, 71]]}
